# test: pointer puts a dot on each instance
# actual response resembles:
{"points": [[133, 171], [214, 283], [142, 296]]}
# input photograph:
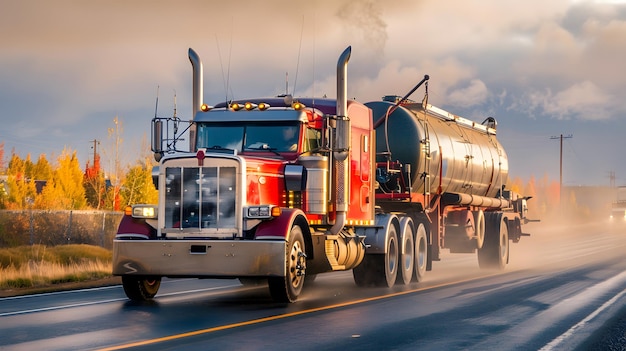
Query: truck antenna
{"points": [[174, 103], [225, 78], [156, 107], [295, 81], [174, 117]]}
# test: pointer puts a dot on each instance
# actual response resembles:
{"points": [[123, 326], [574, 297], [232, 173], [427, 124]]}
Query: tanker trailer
{"points": [[449, 173]]}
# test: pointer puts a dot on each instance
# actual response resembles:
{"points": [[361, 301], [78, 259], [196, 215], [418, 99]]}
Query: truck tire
{"points": [[363, 273], [495, 251], [288, 288], [407, 252], [479, 227], [421, 252], [379, 269], [140, 288], [386, 265]]}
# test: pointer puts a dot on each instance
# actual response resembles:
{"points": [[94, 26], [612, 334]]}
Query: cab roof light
{"points": [[297, 106], [249, 106], [235, 106], [263, 106], [205, 108]]}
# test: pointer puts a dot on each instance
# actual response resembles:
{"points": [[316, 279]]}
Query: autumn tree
{"points": [[20, 187], [137, 186], [65, 190], [42, 170], [113, 198], [94, 184], [2, 157]]}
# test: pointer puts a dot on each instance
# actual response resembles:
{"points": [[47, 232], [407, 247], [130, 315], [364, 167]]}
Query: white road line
{"points": [[20, 297], [44, 309], [571, 331]]}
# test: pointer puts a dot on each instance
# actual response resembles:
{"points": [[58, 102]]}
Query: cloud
{"points": [[474, 94], [583, 100]]}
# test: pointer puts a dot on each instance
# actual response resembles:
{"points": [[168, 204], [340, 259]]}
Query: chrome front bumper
{"points": [[199, 258]]}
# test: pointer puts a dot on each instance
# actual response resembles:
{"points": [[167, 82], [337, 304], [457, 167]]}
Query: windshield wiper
{"points": [[262, 147]]}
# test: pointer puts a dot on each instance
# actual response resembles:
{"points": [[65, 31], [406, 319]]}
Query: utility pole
{"points": [[561, 137], [95, 150]]}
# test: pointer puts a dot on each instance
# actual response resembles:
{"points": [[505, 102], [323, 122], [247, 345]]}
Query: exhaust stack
{"points": [[197, 94], [197, 82], [342, 143]]}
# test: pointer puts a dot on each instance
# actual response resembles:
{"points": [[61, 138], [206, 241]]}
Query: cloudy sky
{"points": [[541, 68]]}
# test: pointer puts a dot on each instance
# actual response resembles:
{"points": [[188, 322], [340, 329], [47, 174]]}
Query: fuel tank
{"points": [[456, 154]]}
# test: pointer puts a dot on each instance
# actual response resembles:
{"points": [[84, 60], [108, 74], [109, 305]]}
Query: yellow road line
{"points": [[286, 315]]}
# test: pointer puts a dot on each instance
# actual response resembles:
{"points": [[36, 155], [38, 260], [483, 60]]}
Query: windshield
{"points": [[276, 137]]}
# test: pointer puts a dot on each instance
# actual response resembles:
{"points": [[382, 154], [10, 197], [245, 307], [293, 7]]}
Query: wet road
{"points": [[561, 286]]}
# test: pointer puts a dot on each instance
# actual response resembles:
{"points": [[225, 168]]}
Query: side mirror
{"points": [[157, 135]]}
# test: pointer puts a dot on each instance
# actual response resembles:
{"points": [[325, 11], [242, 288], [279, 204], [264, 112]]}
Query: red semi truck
{"points": [[282, 189]]}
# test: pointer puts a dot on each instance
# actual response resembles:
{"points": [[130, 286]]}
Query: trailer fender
{"points": [[376, 236]]}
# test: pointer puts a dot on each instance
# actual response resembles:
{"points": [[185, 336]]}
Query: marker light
{"points": [[204, 107], [297, 106], [235, 106], [263, 106], [249, 106]]}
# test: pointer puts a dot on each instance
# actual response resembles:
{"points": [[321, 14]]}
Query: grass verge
{"points": [[41, 266]]}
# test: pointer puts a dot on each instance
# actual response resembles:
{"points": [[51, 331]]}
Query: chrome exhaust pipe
{"points": [[341, 146], [197, 83]]}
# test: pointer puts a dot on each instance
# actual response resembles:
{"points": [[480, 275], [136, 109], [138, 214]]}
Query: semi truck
{"points": [[280, 189], [618, 207]]}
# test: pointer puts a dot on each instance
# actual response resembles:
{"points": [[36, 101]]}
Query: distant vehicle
{"points": [[281, 189], [618, 208]]}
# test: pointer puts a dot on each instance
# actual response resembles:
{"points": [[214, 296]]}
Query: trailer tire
{"points": [[495, 251], [379, 269], [479, 228], [406, 252], [140, 288], [421, 252], [288, 288], [386, 265]]}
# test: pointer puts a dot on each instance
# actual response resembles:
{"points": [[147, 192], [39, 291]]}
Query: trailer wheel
{"points": [[379, 269], [385, 266], [495, 250], [407, 252], [479, 227], [421, 252], [287, 288], [140, 288]]}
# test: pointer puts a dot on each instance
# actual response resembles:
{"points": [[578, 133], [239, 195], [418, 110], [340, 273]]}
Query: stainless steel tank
{"points": [[458, 155]]}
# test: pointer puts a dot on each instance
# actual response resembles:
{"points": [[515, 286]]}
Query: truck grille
{"points": [[201, 201]]}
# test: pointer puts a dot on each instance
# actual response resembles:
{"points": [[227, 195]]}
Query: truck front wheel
{"points": [[140, 288], [288, 288]]}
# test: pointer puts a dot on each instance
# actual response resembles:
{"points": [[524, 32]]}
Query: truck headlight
{"points": [[262, 212], [144, 211]]}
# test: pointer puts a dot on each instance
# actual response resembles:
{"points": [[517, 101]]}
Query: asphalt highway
{"points": [[562, 289]]}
